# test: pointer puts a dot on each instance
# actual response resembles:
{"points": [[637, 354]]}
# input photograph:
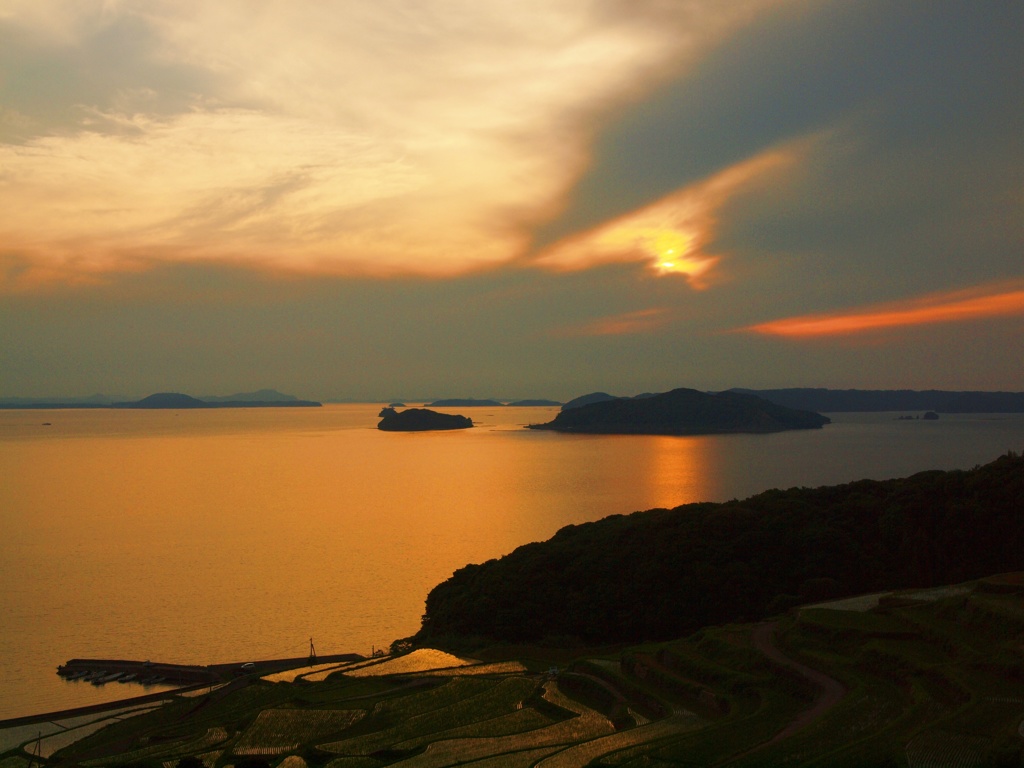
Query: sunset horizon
{"points": [[546, 200]]}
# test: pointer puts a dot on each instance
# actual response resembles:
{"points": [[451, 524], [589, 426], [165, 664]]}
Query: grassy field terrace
{"points": [[917, 678]]}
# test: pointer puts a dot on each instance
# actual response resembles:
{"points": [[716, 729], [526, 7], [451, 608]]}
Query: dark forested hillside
{"points": [[662, 573]]}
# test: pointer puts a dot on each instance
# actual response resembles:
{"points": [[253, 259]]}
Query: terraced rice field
{"points": [[195, 694], [209, 759], [583, 754], [354, 762], [939, 749], [193, 746], [495, 668], [520, 721], [937, 593], [524, 759], [861, 603], [276, 731], [46, 739], [319, 675], [418, 661], [586, 725], [290, 675], [926, 682], [461, 704]]}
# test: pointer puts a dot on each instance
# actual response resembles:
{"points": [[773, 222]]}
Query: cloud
{"points": [[626, 324], [959, 306], [671, 234], [924, 100], [384, 138]]}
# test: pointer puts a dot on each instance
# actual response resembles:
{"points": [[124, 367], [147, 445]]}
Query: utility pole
{"points": [[312, 652], [38, 751]]}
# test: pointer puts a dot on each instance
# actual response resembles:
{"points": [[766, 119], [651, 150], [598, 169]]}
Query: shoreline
{"points": [[217, 674]]}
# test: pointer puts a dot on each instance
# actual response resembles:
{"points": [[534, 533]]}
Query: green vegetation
{"points": [[927, 677]]}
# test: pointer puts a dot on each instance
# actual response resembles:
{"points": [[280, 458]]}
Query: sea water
{"points": [[228, 535]]}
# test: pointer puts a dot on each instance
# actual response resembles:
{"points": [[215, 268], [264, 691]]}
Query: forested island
{"points": [[682, 412], [664, 573], [420, 420]]}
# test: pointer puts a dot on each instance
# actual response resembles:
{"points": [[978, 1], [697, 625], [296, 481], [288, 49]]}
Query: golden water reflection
{"points": [[226, 535], [203, 537]]}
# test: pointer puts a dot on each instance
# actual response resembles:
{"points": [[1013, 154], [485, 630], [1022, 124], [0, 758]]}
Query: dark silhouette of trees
{"points": [[663, 573]]}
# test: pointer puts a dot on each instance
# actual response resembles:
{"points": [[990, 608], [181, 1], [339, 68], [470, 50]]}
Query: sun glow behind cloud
{"points": [[979, 303], [394, 137], [670, 235]]}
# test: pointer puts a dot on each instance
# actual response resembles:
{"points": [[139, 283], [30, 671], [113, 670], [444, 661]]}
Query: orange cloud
{"points": [[641, 321], [670, 235], [299, 147], [936, 308]]}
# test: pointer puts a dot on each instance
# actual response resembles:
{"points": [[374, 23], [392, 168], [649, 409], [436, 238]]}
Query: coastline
{"points": [[218, 674]]}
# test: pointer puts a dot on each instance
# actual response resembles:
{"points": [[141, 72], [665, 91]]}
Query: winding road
{"points": [[830, 690]]}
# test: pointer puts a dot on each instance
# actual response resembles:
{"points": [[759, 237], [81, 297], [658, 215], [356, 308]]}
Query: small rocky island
{"points": [[683, 412], [420, 420]]}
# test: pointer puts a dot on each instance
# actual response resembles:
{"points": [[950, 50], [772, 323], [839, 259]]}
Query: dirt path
{"points": [[830, 691]]}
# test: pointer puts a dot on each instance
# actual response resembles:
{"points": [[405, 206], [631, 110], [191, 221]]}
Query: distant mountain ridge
{"points": [[473, 402], [92, 401], [179, 400], [259, 396], [165, 400], [463, 402], [853, 400], [264, 398]]}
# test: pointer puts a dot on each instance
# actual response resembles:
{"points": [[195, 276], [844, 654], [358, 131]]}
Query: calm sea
{"points": [[227, 535]]}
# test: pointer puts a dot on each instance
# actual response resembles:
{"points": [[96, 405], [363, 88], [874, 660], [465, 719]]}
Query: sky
{"points": [[477, 198]]}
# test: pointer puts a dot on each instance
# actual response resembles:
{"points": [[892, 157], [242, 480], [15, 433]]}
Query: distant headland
{"points": [[264, 398], [463, 402], [866, 400], [176, 400], [471, 402], [683, 412], [860, 400]]}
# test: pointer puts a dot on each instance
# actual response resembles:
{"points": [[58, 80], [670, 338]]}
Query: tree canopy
{"points": [[665, 572]]}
